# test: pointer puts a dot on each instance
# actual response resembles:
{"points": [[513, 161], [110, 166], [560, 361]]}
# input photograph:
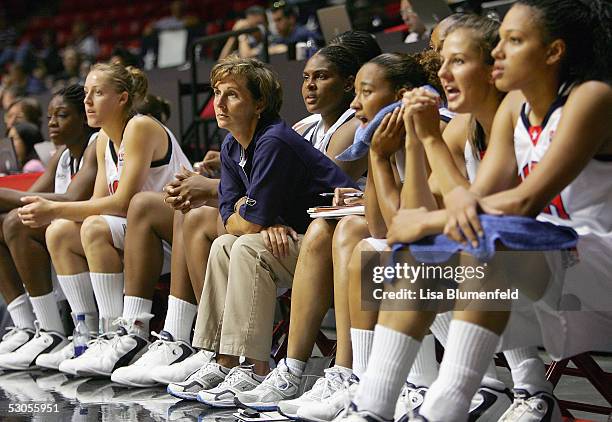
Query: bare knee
{"points": [[141, 206], [348, 230], [318, 236], [200, 221], [12, 227], [94, 232], [58, 232]]}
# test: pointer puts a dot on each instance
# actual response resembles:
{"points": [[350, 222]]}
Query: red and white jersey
{"points": [[586, 203], [159, 174], [67, 168]]}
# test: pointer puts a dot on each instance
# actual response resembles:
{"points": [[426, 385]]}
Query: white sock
{"points": [[108, 288], [390, 361], [469, 350], [440, 328], [79, 292], [346, 372], [424, 370], [139, 308], [179, 318], [47, 312], [21, 312], [490, 379], [361, 341], [528, 371], [296, 367]]}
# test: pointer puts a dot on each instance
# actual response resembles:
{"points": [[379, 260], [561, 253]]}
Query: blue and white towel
{"points": [[363, 134], [516, 233]]}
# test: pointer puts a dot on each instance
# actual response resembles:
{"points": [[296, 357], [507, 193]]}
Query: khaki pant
{"points": [[236, 311]]}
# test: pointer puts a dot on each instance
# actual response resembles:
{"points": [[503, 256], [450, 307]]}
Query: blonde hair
{"points": [[261, 81], [126, 79]]}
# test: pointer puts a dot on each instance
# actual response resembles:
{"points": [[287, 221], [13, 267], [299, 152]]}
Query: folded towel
{"points": [[363, 135], [516, 233]]}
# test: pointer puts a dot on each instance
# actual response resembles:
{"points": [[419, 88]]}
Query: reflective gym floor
{"points": [[48, 396]]}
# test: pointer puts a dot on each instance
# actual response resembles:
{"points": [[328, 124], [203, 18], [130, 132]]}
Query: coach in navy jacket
{"points": [[270, 176], [280, 175]]}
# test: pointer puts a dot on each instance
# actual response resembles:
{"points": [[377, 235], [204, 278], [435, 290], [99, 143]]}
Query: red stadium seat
{"points": [[105, 34], [229, 24], [19, 181], [105, 51], [63, 37], [62, 22], [212, 28]]}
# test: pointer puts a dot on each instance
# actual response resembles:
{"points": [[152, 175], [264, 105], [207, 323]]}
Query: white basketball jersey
{"points": [[320, 139], [471, 162], [586, 203], [159, 174], [67, 168]]}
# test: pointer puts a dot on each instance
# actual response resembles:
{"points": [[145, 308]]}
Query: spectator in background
{"points": [[71, 60], [8, 95], [24, 83], [24, 136], [23, 110], [249, 45], [411, 19], [176, 20], [8, 38], [84, 41], [49, 53], [289, 32]]}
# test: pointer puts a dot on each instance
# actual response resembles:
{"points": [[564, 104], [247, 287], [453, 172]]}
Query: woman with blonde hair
{"points": [[86, 238]]}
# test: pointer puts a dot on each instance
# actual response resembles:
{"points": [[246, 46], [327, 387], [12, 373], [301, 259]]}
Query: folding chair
{"points": [[280, 334], [586, 367]]}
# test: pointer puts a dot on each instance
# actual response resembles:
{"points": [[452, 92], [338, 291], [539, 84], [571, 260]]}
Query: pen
{"points": [[346, 195]]}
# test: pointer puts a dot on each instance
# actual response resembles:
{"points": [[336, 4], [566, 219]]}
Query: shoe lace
{"points": [[115, 337], [275, 377], [347, 411], [199, 373], [37, 329], [165, 345], [327, 385], [235, 375], [11, 331], [98, 342], [517, 409], [535, 404]]}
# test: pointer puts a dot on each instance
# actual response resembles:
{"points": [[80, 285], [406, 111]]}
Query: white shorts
{"points": [[379, 245], [118, 227], [575, 314]]}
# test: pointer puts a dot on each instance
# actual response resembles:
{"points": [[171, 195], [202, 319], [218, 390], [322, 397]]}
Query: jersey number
{"points": [[556, 207]]}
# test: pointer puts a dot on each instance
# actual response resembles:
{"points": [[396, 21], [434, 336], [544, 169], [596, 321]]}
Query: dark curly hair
{"points": [[586, 28]]}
